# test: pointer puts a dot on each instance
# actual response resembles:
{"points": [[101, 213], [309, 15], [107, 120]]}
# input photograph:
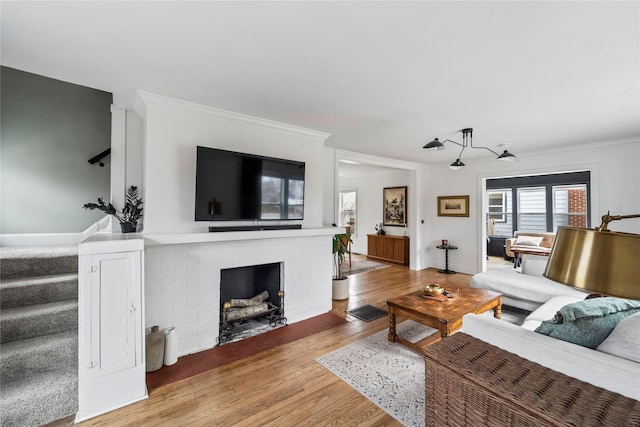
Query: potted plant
{"points": [[340, 248], [131, 213]]}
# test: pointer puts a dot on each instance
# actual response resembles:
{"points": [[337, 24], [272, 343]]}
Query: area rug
{"points": [[367, 313], [359, 266], [389, 374]]}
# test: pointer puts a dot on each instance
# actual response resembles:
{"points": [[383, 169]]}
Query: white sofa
{"points": [[524, 288], [614, 365], [594, 366]]}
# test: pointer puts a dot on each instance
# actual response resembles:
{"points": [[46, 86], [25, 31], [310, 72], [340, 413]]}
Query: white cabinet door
{"points": [[111, 333], [115, 301]]}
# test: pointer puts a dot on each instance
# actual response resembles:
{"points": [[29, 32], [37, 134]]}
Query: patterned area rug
{"points": [[389, 374], [360, 266]]}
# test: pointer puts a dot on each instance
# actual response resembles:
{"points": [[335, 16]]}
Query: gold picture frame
{"points": [[394, 205], [453, 206]]}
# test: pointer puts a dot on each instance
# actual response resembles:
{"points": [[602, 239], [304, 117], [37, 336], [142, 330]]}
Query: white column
{"points": [[118, 164]]}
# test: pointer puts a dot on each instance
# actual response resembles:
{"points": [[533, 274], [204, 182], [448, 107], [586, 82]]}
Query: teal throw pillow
{"points": [[589, 322]]}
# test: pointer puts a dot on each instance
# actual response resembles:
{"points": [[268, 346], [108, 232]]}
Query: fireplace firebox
{"points": [[251, 298]]}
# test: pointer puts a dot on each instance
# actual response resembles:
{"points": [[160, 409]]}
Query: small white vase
{"points": [[170, 346], [340, 288]]}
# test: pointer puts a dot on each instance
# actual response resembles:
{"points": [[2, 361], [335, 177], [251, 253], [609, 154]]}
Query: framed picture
{"points": [[394, 206], [453, 206]]}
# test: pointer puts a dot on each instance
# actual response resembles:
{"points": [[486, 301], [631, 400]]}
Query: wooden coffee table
{"points": [[446, 316]]}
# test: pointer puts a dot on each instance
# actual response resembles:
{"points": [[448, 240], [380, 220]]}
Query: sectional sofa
{"points": [[498, 373], [613, 364]]}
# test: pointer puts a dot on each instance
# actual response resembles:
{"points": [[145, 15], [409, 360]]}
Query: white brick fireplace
{"points": [[182, 277]]}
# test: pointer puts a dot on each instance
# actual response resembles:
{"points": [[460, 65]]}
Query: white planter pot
{"points": [[340, 288]]}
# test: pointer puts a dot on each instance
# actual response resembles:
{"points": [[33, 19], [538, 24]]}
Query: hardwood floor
{"points": [[283, 386]]}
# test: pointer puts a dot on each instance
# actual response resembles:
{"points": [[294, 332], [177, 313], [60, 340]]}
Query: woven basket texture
{"points": [[471, 383]]}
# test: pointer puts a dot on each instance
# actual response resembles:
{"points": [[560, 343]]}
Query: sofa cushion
{"points": [[525, 240], [534, 265], [546, 311], [588, 322], [624, 340]]}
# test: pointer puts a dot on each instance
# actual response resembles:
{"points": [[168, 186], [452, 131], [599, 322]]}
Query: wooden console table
{"points": [[388, 248]]}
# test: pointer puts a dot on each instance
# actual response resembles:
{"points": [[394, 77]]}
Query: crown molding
{"points": [[585, 146], [152, 98], [368, 159]]}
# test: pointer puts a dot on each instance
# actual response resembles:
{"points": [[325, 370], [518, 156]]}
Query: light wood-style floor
{"points": [[283, 386]]}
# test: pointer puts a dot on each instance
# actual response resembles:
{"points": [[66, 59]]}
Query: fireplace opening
{"points": [[251, 301]]}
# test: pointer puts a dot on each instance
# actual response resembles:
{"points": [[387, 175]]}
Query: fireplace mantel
{"points": [[232, 236]]}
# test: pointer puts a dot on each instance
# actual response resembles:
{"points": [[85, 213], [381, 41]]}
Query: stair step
{"points": [[19, 358], [36, 320], [38, 261], [38, 290], [40, 397]]}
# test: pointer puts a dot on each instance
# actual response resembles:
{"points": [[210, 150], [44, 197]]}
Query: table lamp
{"points": [[597, 260]]}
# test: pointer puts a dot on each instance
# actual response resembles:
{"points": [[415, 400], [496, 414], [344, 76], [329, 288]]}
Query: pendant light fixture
{"points": [[467, 141]]}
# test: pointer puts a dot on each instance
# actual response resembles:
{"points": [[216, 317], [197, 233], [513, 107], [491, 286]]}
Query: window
{"points": [[497, 206], [532, 209], [499, 222], [538, 202], [569, 206], [347, 214]]}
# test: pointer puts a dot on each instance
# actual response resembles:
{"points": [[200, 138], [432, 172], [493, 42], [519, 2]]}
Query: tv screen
{"points": [[234, 186]]}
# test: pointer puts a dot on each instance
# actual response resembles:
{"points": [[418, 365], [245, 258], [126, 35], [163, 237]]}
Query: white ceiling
{"points": [[383, 78]]}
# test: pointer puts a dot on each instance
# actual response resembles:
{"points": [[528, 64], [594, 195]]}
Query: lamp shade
{"points": [[606, 262], [456, 165], [435, 145], [507, 157]]}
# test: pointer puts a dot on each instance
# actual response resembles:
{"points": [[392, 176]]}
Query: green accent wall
{"points": [[49, 131]]}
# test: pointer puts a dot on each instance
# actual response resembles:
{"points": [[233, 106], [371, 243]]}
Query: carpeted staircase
{"points": [[38, 334]]}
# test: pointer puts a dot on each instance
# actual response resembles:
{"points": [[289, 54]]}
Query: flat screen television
{"points": [[233, 186]]}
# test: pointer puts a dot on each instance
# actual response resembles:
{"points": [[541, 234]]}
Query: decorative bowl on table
{"points": [[433, 289]]}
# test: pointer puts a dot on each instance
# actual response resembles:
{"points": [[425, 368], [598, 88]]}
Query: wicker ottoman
{"points": [[471, 383]]}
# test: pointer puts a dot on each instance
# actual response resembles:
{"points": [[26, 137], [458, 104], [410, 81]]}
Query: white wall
{"points": [[173, 129], [330, 187], [369, 202], [133, 173], [615, 185]]}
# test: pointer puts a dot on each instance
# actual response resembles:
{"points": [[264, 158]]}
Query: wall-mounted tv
{"points": [[233, 186]]}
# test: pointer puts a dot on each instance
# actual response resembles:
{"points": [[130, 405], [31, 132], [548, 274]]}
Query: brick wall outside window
{"points": [[578, 204]]}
